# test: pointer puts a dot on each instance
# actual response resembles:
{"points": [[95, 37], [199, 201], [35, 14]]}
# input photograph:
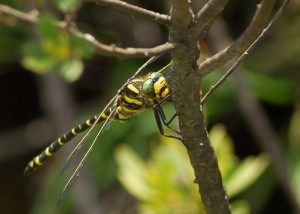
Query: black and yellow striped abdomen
{"points": [[56, 145]]}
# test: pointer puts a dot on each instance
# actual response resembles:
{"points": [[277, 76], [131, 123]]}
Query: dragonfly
{"points": [[135, 96]]}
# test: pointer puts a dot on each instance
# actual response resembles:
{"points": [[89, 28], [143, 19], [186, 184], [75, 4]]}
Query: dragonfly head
{"points": [[155, 86]]}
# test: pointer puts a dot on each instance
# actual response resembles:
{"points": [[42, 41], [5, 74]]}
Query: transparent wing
{"points": [[103, 128], [76, 173], [75, 151]]}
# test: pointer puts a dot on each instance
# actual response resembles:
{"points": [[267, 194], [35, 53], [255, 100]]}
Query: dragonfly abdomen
{"points": [[40, 159]]}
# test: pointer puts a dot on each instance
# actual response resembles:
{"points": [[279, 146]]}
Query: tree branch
{"points": [[113, 50], [254, 114], [206, 15], [135, 10], [247, 51], [103, 49], [191, 118], [31, 18], [254, 29]]}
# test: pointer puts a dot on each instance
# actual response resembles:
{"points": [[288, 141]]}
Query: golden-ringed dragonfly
{"points": [[136, 95]]}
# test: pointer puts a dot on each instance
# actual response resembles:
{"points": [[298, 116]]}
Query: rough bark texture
{"points": [[188, 106]]}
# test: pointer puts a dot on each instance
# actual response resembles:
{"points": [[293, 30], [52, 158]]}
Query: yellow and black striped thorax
{"points": [[131, 100], [156, 87]]}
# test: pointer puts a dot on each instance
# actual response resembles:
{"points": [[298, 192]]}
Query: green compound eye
{"points": [[155, 76], [148, 88]]}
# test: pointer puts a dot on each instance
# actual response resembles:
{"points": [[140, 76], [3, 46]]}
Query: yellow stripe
{"points": [[158, 87], [104, 116], [123, 117], [31, 164], [88, 122], [133, 88], [130, 110], [60, 142], [74, 132], [134, 101], [161, 82], [165, 93], [120, 114], [47, 152], [37, 161]]}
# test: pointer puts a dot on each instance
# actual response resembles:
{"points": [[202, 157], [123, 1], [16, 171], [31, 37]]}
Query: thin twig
{"points": [[240, 45], [108, 50], [18, 14], [206, 15], [113, 50], [135, 10], [257, 119], [238, 61]]}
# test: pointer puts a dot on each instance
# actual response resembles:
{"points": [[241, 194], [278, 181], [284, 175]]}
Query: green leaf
{"points": [[67, 5], [56, 50], [270, 89], [240, 207], [224, 150], [46, 27], [71, 70], [35, 59], [132, 173], [246, 173]]}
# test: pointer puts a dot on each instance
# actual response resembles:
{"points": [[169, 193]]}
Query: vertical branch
{"points": [[191, 119]]}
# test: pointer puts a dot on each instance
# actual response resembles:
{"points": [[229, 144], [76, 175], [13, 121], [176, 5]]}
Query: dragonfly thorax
{"points": [[131, 100]]}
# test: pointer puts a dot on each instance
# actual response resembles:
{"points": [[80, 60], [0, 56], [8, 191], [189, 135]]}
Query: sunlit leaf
{"points": [[71, 70], [36, 59], [240, 207], [55, 50], [169, 176], [67, 5], [224, 150], [132, 173], [246, 173]]}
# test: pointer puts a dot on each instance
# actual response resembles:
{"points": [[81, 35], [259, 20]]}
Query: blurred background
{"points": [[50, 82]]}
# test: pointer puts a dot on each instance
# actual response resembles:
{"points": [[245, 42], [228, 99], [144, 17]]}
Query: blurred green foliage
{"points": [[156, 170], [265, 88], [55, 50], [164, 182], [67, 6]]}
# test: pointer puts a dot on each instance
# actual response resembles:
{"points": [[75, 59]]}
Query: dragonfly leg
{"points": [[161, 119]]}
